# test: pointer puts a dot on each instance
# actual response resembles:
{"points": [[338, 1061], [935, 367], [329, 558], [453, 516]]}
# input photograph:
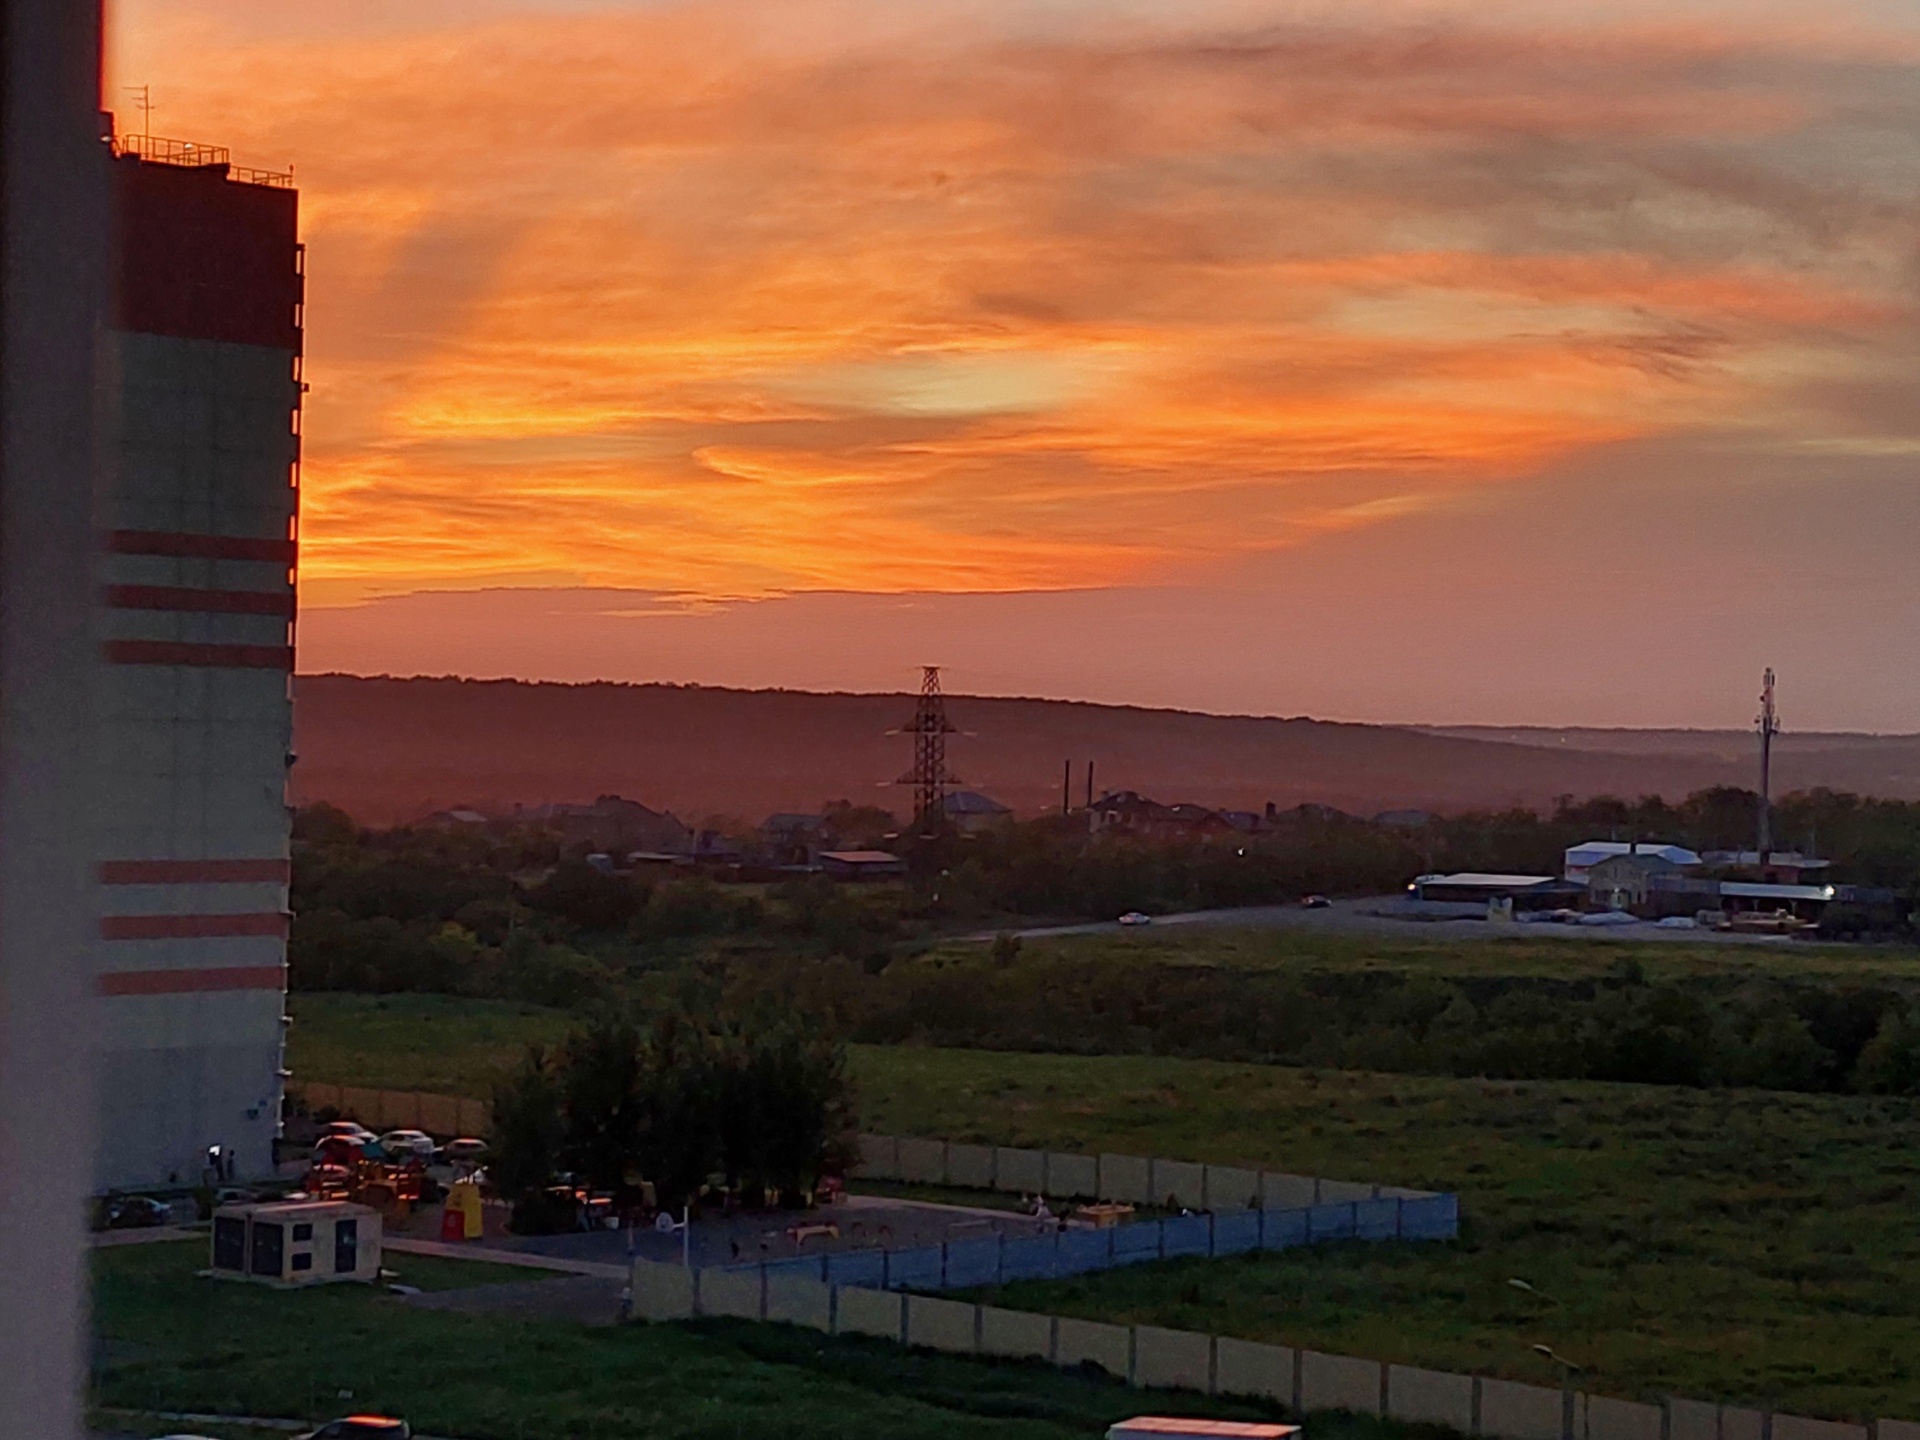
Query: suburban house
{"points": [[970, 812]]}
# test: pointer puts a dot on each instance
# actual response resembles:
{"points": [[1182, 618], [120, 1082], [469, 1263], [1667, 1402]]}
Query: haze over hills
{"points": [[389, 750]]}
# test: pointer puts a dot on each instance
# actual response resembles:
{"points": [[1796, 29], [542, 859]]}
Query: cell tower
{"points": [[1768, 722], [930, 728]]}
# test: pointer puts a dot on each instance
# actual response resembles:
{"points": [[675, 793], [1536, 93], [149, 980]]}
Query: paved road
{"points": [[1362, 917]]}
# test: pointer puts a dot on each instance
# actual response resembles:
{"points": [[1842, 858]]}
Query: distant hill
{"points": [[390, 750]]}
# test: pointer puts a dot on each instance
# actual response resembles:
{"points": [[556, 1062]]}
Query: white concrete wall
{"points": [[1172, 1359], [1245, 1367]]}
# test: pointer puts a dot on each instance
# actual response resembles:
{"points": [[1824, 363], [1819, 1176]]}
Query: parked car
{"points": [[362, 1427], [1316, 902], [347, 1129], [1136, 917], [136, 1212], [402, 1143], [467, 1150]]}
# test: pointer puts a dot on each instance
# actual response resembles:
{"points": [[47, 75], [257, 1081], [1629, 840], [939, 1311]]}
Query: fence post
{"points": [[1473, 1408], [943, 1271], [1400, 1232]]}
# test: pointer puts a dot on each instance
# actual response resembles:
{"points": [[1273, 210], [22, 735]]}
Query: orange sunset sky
{"points": [[1431, 361]]}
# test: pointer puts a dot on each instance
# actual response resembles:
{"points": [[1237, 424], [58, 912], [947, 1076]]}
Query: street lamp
{"points": [[1567, 1400]]}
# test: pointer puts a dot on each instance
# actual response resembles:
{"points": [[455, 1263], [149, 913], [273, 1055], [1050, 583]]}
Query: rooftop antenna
{"points": [[930, 728], [145, 106], [1769, 723]]}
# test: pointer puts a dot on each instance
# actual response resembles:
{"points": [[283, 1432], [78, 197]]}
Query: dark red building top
{"points": [[205, 257]]}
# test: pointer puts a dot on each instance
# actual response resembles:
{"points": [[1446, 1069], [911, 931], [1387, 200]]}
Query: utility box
{"points": [[296, 1242]]}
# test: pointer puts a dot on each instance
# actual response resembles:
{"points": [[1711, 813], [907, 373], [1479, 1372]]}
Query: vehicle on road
{"points": [[362, 1427], [402, 1143], [1136, 917], [466, 1150], [136, 1212], [1316, 902], [347, 1130]]}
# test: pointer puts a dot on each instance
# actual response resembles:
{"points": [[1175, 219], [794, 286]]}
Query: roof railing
{"points": [[158, 150]]}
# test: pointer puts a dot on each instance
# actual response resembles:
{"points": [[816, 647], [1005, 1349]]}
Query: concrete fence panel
{"points": [[973, 1262], [358, 1103], [475, 1117], [1696, 1420], [1235, 1232], [869, 1312], [1015, 1334], [1430, 1397], [1229, 1188], [923, 1162], [1339, 1382], [941, 1324], [879, 1158], [798, 1300], [970, 1166], [1179, 1183], [1609, 1419], [730, 1292], [440, 1115], [1126, 1178], [1088, 1342], [1074, 1176], [1172, 1359], [1244, 1367], [1896, 1430], [319, 1095], [662, 1292], [1344, 1192], [1740, 1424], [1280, 1191], [1019, 1172], [1799, 1427], [1512, 1411]]}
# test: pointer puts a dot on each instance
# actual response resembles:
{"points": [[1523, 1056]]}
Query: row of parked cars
{"points": [[404, 1144]]}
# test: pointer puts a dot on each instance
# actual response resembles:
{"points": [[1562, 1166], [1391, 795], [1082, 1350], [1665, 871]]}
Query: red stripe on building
{"points": [[193, 927], [196, 872], [187, 546], [219, 657], [205, 602], [188, 982]]}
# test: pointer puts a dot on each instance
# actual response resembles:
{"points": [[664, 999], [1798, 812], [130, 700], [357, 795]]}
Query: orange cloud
{"points": [[729, 299]]}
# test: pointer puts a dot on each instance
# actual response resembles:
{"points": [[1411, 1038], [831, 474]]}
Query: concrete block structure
{"points": [[1172, 1359], [796, 1300], [941, 1324], [1430, 1397], [1605, 1418], [1074, 1177], [1022, 1172], [923, 1162], [1084, 1342], [1514, 1411], [1339, 1382], [194, 706], [1015, 1334], [970, 1166], [1245, 1367], [869, 1312], [731, 1292]]}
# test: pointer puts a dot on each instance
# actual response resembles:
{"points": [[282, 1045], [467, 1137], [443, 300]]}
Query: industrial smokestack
{"points": [[1089, 784], [1066, 790]]}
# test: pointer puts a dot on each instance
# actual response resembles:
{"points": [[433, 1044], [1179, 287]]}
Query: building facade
{"points": [[194, 693]]}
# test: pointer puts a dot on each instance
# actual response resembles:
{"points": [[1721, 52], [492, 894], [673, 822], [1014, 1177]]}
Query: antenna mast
{"points": [[930, 728], [1769, 723]]}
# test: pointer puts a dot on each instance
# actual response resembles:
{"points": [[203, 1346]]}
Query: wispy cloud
{"points": [[737, 298]]}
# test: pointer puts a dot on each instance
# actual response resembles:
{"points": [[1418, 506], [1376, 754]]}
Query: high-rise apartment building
{"points": [[194, 699]]}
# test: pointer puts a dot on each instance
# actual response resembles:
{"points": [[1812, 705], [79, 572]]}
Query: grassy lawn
{"points": [[413, 1042], [1726, 1244], [1737, 1245], [1440, 949], [175, 1342]]}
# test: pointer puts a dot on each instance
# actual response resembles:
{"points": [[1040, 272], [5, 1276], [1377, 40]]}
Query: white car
{"points": [[466, 1150], [1136, 917], [408, 1142]]}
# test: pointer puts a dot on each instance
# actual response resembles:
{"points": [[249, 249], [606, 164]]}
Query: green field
{"points": [[1725, 1244], [172, 1341], [413, 1042]]}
